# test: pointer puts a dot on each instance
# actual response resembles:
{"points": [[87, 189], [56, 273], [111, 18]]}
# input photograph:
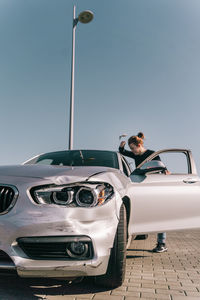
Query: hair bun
{"points": [[141, 135]]}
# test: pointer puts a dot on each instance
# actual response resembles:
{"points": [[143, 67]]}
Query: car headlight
{"points": [[83, 195]]}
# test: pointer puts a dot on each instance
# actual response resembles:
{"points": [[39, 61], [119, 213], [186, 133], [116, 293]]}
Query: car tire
{"points": [[115, 274]]}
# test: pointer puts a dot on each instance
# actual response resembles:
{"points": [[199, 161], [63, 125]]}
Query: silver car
{"points": [[73, 213]]}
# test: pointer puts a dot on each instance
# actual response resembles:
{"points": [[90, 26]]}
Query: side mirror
{"points": [[150, 167]]}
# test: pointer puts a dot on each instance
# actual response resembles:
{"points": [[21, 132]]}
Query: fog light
{"points": [[77, 249]]}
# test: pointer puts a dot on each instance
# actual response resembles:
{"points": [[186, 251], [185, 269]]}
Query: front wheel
{"points": [[115, 274]]}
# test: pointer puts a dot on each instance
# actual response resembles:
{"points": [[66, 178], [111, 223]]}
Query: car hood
{"points": [[56, 172]]}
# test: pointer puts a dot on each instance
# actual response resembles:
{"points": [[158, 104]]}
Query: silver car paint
{"points": [[157, 204], [30, 219], [165, 202]]}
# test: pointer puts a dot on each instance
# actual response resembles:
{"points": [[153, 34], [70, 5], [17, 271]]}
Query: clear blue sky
{"points": [[137, 69]]}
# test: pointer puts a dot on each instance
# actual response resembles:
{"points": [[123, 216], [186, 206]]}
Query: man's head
{"points": [[136, 142]]}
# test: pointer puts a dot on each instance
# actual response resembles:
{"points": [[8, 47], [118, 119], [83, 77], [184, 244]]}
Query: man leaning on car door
{"points": [[139, 153]]}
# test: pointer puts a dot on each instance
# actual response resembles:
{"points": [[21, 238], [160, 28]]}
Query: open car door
{"points": [[161, 202]]}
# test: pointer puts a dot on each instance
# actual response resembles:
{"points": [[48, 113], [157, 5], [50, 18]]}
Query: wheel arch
{"points": [[127, 204]]}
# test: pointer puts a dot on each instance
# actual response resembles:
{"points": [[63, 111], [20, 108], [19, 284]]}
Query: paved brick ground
{"points": [[174, 275]]}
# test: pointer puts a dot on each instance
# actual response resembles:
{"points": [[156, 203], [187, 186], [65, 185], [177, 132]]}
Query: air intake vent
{"points": [[8, 197], [57, 248]]}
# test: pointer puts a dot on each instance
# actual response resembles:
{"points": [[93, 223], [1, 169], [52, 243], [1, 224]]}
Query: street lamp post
{"points": [[84, 17]]}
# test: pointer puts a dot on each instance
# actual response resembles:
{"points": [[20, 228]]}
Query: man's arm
{"points": [[125, 152]]}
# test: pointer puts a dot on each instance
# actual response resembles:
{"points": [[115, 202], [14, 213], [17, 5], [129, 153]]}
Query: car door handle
{"points": [[189, 181]]}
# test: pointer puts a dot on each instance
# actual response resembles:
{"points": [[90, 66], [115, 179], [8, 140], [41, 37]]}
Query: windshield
{"points": [[78, 158]]}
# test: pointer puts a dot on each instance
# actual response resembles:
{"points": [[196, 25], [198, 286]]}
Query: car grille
{"points": [[4, 256], [8, 196], [52, 248], [7, 267]]}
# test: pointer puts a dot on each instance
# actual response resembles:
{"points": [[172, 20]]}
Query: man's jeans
{"points": [[161, 237]]}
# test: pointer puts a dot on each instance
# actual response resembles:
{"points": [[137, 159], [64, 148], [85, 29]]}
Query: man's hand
{"points": [[166, 172], [122, 144]]}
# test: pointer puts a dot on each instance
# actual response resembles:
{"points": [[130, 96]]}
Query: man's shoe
{"points": [[160, 247]]}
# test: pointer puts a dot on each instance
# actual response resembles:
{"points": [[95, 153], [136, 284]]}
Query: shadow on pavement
{"points": [[129, 255], [14, 287], [140, 250], [135, 256]]}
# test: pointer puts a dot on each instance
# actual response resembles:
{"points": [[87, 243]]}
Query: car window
{"points": [[78, 158], [125, 168], [175, 162], [45, 161], [130, 162]]}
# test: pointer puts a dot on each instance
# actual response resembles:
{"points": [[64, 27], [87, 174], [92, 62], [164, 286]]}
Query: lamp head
{"points": [[85, 16]]}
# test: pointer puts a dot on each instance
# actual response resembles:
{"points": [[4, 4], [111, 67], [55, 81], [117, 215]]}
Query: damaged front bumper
{"points": [[95, 227]]}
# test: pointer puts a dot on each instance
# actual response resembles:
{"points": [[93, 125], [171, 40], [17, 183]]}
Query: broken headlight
{"points": [[83, 195]]}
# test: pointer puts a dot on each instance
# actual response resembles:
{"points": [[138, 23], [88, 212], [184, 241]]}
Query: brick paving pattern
{"points": [[173, 275]]}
